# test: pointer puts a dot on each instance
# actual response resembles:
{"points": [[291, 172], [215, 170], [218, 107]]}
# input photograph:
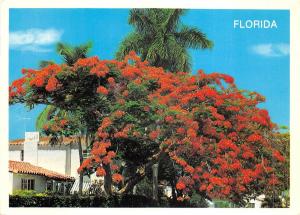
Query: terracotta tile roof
{"points": [[46, 141], [27, 168]]}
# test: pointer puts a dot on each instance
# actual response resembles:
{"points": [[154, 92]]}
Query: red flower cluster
{"points": [[100, 172], [117, 178], [102, 90], [180, 185], [278, 156], [52, 84], [153, 135], [119, 114], [255, 138]]}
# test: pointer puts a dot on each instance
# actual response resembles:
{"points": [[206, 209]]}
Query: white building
{"points": [[34, 152], [25, 176]]}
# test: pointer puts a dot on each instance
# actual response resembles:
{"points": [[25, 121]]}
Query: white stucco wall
{"points": [[75, 162], [15, 155], [39, 184], [31, 152], [54, 160]]}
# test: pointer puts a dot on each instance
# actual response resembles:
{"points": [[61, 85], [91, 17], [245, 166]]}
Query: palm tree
{"points": [[70, 55], [161, 39]]}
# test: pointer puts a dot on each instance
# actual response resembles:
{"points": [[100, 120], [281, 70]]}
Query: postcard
{"points": [[150, 106]]}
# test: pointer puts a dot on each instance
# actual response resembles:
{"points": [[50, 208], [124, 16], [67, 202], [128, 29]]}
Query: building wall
{"points": [[75, 162], [15, 155], [31, 151], [54, 160], [15, 181], [59, 158]]}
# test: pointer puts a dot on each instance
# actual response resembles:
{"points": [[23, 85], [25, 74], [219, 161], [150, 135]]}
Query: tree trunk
{"points": [[132, 182], [81, 160], [107, 180], [155, 182], [174, 196], [141, 173]]}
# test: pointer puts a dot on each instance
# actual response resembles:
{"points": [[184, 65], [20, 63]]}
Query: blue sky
{"points": [[258, 59]]}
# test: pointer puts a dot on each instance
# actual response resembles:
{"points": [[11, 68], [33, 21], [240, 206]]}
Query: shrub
{"points": [[56, 201], [28, 193], [136, 201]]}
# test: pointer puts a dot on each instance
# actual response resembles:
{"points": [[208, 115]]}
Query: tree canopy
{"points": [[222, 143]]}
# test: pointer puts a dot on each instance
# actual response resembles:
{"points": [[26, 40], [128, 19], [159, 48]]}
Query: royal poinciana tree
{"points": [[222, 144]]}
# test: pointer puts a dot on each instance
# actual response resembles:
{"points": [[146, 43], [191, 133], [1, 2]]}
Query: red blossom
{"points": [[254, 138], [63, 122], [102, 90], [169, 119], [180, 185], [278, 156], [153, 135], [100, 172], [117, 178], [119, 113]]}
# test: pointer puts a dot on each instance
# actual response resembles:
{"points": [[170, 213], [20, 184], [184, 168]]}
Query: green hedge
{"points": [[60, 201], [90, 201], [79, 201]]}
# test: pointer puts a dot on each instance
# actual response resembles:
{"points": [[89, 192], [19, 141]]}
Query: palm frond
{"points": [[179, 59], [133, 42], [45, 63], [44, 116], [71, 54], [65, 51], [142, 21], [173, 19], [81, 51], [157, 52], [191, 37], [184, 62]]}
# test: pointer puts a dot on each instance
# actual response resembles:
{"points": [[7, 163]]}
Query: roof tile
{"points": [[27, 168], [46, 141]]}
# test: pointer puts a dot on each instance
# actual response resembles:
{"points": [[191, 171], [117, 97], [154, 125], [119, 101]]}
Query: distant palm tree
{"points": [[71, 54], [160, 38]]}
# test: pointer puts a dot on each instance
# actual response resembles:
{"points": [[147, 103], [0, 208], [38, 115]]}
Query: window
{"points": [[49, 185], [22, 155], [27, 184]]}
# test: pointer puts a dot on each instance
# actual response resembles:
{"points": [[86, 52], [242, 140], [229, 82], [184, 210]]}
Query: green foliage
{"points": [[28, 193], [57, 201], [44, 117], [198, 201], [71, 54], [160, 38], [223, 204], [45, 63], [94, 201], [144, 187], [136, 201]]}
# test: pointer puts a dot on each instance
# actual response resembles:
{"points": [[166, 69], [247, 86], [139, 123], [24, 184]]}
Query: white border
{"points": [[292, 5]]}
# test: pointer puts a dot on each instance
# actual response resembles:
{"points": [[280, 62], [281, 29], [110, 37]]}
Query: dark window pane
{"points": [[22, 155]]}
